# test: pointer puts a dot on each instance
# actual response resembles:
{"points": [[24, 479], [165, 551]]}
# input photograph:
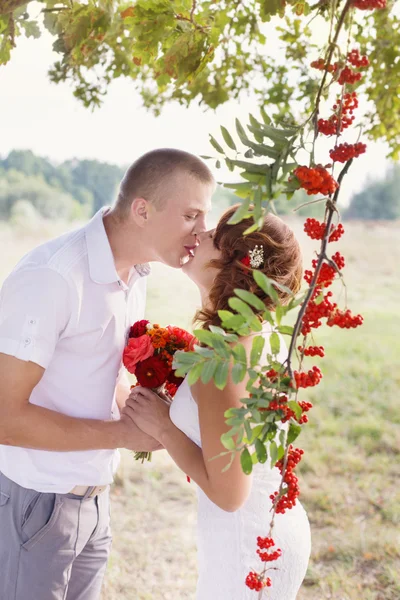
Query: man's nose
{"points": [[200, 227]]}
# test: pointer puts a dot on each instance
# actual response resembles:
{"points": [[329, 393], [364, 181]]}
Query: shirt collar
{"points": [[101, 260]]}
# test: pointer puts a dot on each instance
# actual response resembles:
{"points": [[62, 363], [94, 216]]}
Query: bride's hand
{"points": [[149, 411]]}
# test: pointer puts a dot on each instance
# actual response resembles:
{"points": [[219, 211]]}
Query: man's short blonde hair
{"points": [[149, 175]]}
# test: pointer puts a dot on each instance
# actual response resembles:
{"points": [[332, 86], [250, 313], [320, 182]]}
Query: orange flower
{"points": [[159, 337]]}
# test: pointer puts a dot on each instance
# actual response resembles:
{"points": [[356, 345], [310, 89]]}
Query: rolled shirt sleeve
{"points": [[33, 313]]}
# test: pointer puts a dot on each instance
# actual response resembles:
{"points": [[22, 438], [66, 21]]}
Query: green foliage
{"points": [[378, 200], [49, 202], [74, 189], [254, 425], [210, 51]]}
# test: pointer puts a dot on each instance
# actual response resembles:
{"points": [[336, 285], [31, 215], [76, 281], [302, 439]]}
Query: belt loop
{"points": [[88, 492]]}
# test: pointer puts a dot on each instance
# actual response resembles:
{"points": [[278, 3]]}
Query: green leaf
{"points": [[240, 213], [208, 371], [294, 431], [227, 438], [286, 329], [241, 307], [221, 348], [215, 144], [256, 350], [246, 462], [228, 138], [195, 373], [261, 451], [239, 353], [265, 284], [273, 452], [238, 373], [235, 323], [228, 466], [265, 117], [205, 352], [250, 298], [204, 336], [275, 343], [221, 375], [267, 316], [292, 404], [225, 314], [255, 324], [248, 430]]}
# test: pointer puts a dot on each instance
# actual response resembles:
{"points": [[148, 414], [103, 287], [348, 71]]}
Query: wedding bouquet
{"points": [[148, 355]]}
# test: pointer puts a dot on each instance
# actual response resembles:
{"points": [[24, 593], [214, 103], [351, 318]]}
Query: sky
{"points": [[47, 119]]}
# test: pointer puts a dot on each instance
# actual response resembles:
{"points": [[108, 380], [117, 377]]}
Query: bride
{"points": [[233, 508]]}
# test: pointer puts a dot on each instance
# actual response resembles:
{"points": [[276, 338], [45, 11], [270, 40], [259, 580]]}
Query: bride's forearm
{"points": [[189, 458]]}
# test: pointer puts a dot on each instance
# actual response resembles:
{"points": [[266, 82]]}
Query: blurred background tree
{"points": [[210, 51]]}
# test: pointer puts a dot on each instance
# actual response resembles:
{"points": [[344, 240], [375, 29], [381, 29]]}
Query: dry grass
{"points": [[350, 473]]}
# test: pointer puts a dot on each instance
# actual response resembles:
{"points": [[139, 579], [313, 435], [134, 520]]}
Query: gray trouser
{"points": [[52, 546]]}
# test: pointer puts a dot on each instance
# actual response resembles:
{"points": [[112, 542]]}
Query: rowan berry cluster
{"points": [[355, 59], [316, 180], [342, 117], [369, 4], [316, 230], [312, 351], [307, 379], [344, 152], [266, 544], [257, 582], [288, 499], [344, 319]]}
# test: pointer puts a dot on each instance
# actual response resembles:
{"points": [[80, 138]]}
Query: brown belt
{"points": [[81, 490]]}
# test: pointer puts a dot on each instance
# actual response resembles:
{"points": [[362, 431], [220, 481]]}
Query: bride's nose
{"points": [[203, 235]]}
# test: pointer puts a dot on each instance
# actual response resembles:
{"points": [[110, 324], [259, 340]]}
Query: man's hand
{"points": [[134, 438], [149, 411]]}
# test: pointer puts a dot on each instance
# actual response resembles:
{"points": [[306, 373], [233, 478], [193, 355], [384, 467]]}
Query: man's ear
{"points": [[140, 209]]}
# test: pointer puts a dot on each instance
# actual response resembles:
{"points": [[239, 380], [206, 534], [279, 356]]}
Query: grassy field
{"points": [[350, 475]]}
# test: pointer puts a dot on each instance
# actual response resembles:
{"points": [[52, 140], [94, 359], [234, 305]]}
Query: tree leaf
{"points": [[256, 350], [250, 298], [195, 373], [221, 375], [246, 462], [208, 370], [241, 307], [275, 343], [261, 451], [228, 138], [215, 144], [240, 213], [238, 373], [265, 284], [294, 431], [273, 452]]}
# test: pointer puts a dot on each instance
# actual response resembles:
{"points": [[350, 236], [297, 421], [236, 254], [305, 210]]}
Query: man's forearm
{"points": [[44, 429]]}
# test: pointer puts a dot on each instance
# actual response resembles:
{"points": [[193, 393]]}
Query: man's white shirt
{"points": [[65, 308]]}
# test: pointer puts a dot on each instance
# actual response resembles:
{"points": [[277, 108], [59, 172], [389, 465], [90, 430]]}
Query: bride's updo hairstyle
{"points": [[282, 262]]}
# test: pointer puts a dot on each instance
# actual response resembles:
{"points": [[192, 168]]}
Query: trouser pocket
{"points": [[39, 517]]}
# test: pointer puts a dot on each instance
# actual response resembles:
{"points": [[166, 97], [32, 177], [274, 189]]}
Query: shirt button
{"points": [[32, 321], [27, 341]]}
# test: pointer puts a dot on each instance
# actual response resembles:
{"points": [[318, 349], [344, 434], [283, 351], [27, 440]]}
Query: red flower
{"points": [[152, 372], [180, 338], [136, 350], [172, 378], [245, 260], [138, 328], [171, 388]]}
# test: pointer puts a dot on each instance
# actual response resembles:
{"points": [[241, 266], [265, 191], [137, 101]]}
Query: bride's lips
{"points": [[190, 250]]}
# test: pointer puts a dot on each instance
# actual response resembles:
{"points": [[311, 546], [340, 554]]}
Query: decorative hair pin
{"points": [[254, 258]]}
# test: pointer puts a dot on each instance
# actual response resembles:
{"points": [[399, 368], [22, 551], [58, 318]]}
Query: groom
{"points": [[64, 314]]}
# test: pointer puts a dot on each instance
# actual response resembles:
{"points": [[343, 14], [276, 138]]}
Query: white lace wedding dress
{"points": [[227, 541]]}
